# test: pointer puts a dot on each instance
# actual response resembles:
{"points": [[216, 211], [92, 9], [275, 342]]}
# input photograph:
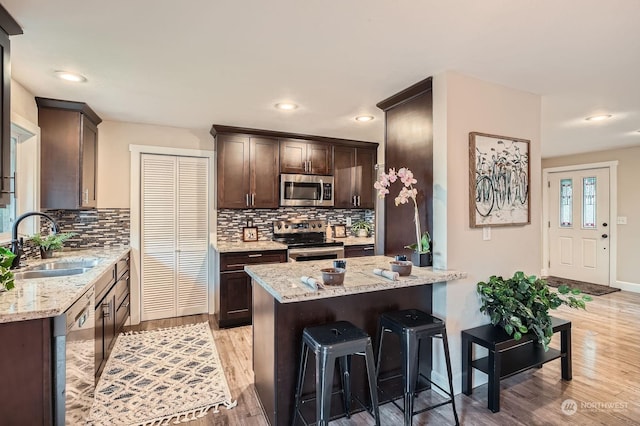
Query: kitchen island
{"points": [[283, 306]]}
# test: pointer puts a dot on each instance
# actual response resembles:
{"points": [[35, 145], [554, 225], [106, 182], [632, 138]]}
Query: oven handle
{"points": [[316, 251]]}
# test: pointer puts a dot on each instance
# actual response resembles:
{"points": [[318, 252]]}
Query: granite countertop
{"points": [[239, 246], [49, 297], [283, 282], [357, 241]]}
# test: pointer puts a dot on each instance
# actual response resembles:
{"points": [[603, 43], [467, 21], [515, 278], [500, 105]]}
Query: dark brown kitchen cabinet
{"points": [[359, 250], [235, 284], [25, 368], [69, 150], [8, 27], [305, 157], [248, 170], [112, 309], [354, 176]]}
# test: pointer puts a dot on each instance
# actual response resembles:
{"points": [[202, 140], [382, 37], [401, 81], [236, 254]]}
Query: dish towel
{"points": [[393, 276], [312, 282]]}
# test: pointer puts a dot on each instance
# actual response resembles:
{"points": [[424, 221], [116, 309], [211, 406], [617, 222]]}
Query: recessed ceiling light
{"points": [[286, 106], [599, 117], [70, 76], [364, 118]]}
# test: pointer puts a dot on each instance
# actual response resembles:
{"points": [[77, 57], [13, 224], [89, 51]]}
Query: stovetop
{"points": [[303, 233]]}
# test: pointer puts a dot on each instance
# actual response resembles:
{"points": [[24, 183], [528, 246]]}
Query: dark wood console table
{"points": [[508, 356]]}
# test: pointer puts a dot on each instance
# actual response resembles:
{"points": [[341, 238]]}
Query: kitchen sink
{"points": [[65, 264], [47, 273]]}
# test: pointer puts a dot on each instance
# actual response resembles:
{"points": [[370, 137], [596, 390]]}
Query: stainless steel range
{"points": [[306, 240]]}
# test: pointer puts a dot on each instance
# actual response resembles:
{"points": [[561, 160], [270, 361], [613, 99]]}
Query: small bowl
{"points": [[333, 276], [402, 267]]}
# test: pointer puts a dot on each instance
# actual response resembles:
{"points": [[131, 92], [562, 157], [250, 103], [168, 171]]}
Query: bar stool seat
{"points": [[330, 342], [412, 325]]}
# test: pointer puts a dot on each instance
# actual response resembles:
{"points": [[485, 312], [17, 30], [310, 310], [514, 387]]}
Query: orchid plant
{"points": [[407, 192]]}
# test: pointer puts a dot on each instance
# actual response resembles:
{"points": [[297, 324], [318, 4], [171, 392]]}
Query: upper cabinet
{"points": [[248, 168], [69, 149], [305, 157], [354, 176], [8, 27]]}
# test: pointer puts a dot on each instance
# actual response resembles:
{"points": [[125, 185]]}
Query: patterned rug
{"points": [[155, 376], [588, 288]]}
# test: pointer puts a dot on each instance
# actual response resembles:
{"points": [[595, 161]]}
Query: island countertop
{"points": [[283, 280], [49, 297]]}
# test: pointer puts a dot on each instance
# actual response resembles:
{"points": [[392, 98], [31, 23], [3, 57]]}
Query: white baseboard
{"points": [[626, 286]]}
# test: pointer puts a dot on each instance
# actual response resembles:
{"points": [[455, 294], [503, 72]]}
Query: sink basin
{"points": [[65, 264], [47, 273]]}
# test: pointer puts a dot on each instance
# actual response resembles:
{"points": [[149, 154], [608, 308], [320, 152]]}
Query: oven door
{"points": [[315, 253]]}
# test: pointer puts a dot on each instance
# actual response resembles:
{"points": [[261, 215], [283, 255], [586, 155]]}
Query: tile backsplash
{"points": [[230, 222]]}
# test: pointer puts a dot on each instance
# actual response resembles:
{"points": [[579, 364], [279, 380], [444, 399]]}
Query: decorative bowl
{"points": [[402, 267], [333, 276]]}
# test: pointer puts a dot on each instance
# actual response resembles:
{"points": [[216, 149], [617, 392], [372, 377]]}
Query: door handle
{"points": [[246, 199], [253, 199], [358, 201], [605, 236]]}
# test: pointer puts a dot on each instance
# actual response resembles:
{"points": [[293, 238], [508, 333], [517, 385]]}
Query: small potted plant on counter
{"points": [[361, 228], [6, 276], [50, 243]]}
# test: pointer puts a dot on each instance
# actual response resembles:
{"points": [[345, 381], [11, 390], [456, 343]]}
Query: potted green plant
{"points": [[521, 304], [362, 228], [6, 276], [50, 243]]}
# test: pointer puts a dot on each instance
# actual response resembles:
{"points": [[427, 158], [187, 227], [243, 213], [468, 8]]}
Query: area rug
{"points": [[588, 288], [153, 377]]}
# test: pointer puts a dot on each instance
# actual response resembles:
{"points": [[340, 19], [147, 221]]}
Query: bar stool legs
{"points": [[411, 326], [330, 343]]}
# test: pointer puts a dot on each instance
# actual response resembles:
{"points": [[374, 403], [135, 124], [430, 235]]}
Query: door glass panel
{"points": [[8, 213], [566, 203], [589, 203]]}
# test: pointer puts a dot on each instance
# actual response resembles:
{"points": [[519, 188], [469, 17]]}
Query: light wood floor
{"points": [[606, 370]]}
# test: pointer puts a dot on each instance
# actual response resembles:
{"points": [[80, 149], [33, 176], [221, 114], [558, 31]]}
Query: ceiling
{"points": [[198, 62]]}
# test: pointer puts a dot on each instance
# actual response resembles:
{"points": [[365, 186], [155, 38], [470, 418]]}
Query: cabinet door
{"points": [[88, 163], [109, 321], [365, 177], [344, 176], [320, 159], [5, 120], [264, 169], [293, 156], [233, 171], [235, 300]]}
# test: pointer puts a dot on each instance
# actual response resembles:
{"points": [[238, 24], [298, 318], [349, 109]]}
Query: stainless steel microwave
{"points": [[306, 190]]}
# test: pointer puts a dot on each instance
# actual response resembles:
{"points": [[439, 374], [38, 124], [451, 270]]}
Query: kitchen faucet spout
{"points": [[16, 244]]}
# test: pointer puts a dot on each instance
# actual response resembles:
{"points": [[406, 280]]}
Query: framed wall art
{"points": [[340, 231], [250, 233], [498, 180]]}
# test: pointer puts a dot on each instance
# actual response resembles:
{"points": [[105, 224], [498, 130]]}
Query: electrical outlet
{"points": [[486, 233], [348, 221], [622, 220]]}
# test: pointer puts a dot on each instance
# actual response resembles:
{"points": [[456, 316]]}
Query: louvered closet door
{"points": [[193, 235], [174, 237]]}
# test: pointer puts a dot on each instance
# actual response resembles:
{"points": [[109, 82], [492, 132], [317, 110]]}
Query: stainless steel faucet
{"points": [[16, 244]]}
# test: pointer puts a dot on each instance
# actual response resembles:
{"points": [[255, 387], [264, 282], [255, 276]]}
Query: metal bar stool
{"points": [[412, 325], [330, 342]]}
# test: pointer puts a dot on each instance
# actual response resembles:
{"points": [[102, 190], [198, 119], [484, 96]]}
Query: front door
{"points": [[579, 225]]}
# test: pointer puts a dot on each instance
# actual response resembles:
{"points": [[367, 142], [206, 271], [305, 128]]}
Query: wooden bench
{"points": [[508, 356]]}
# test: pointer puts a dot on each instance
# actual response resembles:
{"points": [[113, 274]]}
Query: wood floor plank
{"points": [[606, 370]]}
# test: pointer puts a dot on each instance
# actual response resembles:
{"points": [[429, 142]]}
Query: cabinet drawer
{"points": [[358, 251], [237, 261], [122, 289], [104, 283], [122, 313], [122, 266]]}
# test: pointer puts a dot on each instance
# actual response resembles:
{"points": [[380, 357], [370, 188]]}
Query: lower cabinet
{"points": [[235, 285], [112, 309], [359, 250]]}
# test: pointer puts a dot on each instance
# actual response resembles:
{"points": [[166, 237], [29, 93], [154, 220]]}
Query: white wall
{"points": [[462, 105], [114, 139]]}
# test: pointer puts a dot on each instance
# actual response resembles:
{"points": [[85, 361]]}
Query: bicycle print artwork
{"points": [[498, 180]]}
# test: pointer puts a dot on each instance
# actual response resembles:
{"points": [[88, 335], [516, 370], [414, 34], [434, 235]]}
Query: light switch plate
{"points": [[348, 221], [622, 220]]}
